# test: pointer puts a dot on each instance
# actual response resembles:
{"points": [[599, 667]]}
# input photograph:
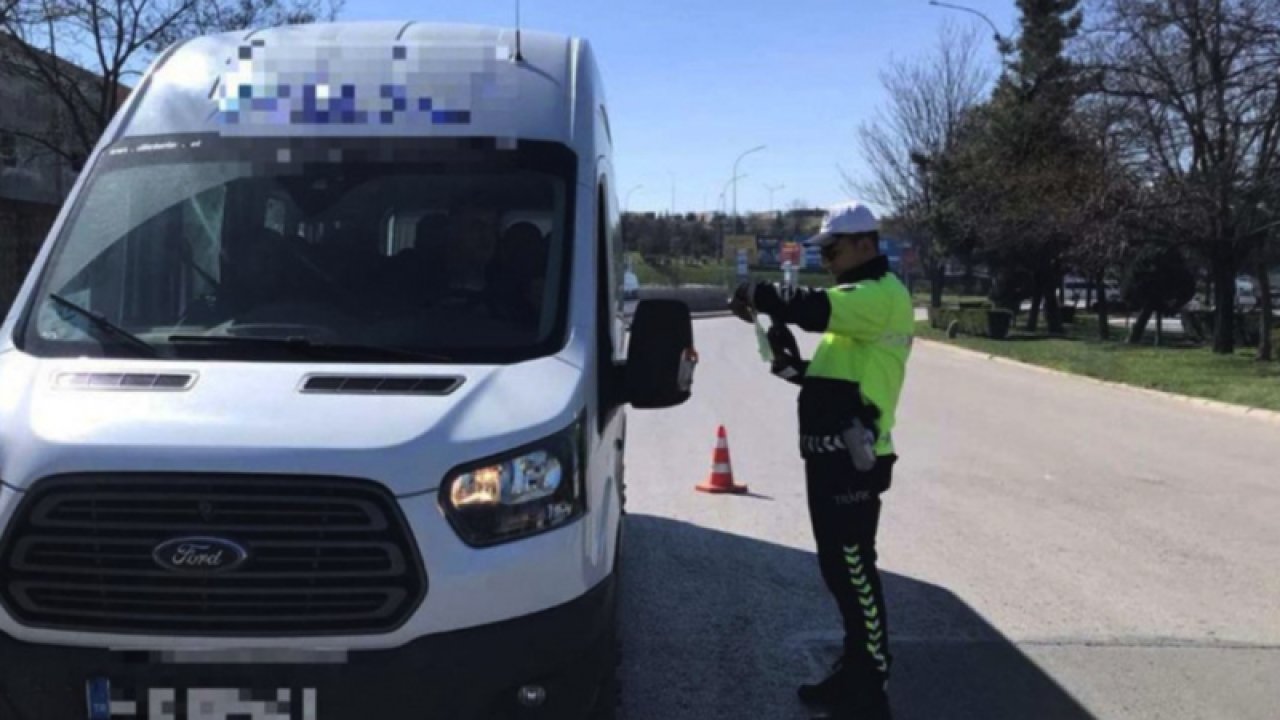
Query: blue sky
{"points": [[692, 83]]}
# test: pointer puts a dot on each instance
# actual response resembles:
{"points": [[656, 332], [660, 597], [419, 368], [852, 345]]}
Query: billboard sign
{"points": [[767, 251], [734, 243]]}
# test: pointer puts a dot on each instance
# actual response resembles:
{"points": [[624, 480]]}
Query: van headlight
{"points": [[519, 494]]}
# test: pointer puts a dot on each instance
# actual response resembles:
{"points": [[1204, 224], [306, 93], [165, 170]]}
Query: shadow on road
{"points": [[722, 626]]}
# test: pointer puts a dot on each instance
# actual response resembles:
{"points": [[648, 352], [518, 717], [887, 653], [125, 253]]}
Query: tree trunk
{"points": [[1052, 314], [1159, 329], [1139, 327], [1224, 286], [1033, 317], [1104, 321], [1264, 299], [937, 280], [968, 275], [1052, 301]]}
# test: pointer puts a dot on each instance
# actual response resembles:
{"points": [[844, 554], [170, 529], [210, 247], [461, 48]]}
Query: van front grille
{"points": [[324, 556]]}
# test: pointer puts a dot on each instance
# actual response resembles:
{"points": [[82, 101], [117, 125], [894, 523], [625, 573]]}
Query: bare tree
{"points": [[928, 99], [1110, 199], [1204, 80], [1265, 256], [82, 53]]}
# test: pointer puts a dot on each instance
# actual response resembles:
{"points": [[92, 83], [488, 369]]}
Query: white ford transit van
{"points": [[312, 404]]}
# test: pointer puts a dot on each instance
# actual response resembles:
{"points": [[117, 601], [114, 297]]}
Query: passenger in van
{"points": [[464, 259], [411, 278], [344, 261], [516, 275], [279, 277], [264, 272]]}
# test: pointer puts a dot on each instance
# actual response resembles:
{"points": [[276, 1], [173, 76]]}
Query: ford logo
{"points": [[199, 555]]}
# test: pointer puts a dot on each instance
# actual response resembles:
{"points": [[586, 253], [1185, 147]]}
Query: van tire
{"points": [[608, 703]]}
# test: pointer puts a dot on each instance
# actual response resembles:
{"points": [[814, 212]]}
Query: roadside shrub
{"points": [[1158, 280], [979, 322], [1199, 325]]}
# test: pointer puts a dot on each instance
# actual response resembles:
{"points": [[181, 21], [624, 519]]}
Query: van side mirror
{"points": [[660, 355]]}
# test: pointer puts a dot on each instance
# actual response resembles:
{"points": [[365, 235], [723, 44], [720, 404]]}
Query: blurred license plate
{"points": [[107, 701]]}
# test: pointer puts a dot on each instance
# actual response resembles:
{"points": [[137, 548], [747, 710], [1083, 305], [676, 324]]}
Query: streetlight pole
{"points": [[720, 220], [923, 164], [772, 189], [626, 205], [673, 191], [725, 190], [1001, 43], [745, 153]]}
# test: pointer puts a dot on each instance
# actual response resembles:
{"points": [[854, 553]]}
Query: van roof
{"points": [[365, 79]]}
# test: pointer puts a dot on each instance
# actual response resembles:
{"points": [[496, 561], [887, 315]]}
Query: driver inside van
{"points": [[473, 238]]}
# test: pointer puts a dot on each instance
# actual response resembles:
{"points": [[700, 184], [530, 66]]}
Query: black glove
{"points": [[742, 304], [787, 363], [783, 342]]}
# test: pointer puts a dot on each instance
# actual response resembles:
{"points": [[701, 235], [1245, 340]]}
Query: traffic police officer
{"points": [[848, 407]]}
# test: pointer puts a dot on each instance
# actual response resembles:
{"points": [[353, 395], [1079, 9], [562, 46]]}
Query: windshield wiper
{"points": [[303, 346], [104, 329]]}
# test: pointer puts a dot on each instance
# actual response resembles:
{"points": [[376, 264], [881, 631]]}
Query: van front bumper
{"points": [[472, 674]]}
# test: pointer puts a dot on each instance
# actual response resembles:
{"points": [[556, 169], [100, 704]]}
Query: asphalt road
{"points": [[1054, 549]]}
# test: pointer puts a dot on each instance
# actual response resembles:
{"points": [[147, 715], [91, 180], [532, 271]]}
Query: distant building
{"points": [[34, 180]]}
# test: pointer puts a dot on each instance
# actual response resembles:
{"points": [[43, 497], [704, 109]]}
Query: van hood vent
{"points": [[380, 384], [172, 382]]}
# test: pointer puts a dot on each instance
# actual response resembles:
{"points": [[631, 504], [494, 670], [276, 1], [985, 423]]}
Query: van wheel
{"points": [[608, 705], [609, 696]]}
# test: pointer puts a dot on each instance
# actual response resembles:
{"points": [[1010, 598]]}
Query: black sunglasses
{"points": [[830, 251]]}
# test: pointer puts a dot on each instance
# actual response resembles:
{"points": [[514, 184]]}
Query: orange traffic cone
{"points": [[721, 480]]}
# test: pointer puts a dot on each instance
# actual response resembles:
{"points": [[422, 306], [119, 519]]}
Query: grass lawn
{"points": [[1178, 367], [921, 299], [720, 274]]}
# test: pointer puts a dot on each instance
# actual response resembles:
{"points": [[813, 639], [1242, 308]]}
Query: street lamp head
{"points": [[1002, 44]]}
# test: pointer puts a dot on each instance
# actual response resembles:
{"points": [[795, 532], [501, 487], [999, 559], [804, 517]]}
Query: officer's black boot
{"points": [[877, 710], [827, 691], [855, 695]]}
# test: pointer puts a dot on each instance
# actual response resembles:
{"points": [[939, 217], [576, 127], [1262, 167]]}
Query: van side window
{"points": [[618, 278], [608, 131], [607, 298], [274, 215]]}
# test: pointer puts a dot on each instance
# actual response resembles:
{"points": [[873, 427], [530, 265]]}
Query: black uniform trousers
{"points": [[844, 507]]}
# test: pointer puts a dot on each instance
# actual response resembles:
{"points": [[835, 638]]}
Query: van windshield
{"points": [[342, 250]]}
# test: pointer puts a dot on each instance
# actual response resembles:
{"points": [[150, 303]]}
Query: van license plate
{"points": [[113, 702]]}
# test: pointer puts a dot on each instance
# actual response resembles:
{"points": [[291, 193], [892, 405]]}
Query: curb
{"points": [[1262, 414]]}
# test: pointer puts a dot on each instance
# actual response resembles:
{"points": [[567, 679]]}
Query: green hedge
{"points": [[982, 322]]}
